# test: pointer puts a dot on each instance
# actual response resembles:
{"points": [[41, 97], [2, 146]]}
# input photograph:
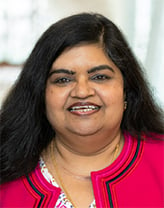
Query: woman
{"points": [[80, 127]]}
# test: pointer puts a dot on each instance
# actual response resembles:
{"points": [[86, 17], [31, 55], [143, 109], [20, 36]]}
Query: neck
{"points": [[88, 145], [81, 164]]}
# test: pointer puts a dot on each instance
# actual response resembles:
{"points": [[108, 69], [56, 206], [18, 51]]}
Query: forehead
{"points": [[83, 56]]}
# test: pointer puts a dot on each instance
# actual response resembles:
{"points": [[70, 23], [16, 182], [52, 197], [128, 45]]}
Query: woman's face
{"points": [[84, 92]]}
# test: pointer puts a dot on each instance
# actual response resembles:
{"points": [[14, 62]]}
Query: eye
{"points": [[62, 80], [100, 77]]}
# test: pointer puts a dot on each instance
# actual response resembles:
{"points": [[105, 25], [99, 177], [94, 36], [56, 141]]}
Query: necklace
{"points": [[61, 183], [58, 175]]}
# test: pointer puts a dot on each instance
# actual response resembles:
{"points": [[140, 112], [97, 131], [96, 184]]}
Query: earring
{"points": [[125, 105]]}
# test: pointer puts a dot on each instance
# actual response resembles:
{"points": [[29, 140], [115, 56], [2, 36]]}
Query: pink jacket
{"points": [[135, 179]]}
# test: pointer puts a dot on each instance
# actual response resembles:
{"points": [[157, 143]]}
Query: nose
{"points": [[82, 89]]}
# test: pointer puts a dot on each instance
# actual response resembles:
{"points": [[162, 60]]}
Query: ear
{"points": [[125, 105], [125, 101]]}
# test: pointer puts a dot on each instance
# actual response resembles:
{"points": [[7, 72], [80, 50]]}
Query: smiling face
{"points": [[84, 93]]}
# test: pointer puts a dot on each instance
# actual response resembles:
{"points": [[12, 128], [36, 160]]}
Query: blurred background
{"points": [[23, 21]]}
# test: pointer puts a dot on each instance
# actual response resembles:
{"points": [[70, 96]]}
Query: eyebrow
{"points": [[70, 72], [58, 71], [101, 67]]}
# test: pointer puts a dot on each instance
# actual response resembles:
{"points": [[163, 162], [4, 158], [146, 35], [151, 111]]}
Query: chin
{"points": [[85, 131]]}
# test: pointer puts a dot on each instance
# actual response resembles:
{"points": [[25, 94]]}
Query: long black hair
{"points": [[24, 128]]}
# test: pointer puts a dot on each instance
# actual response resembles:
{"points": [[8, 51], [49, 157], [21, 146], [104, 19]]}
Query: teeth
{"points": [[84, 108]]}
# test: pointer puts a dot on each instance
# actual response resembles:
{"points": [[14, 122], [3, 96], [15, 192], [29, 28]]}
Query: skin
{"points": [[85, 139], [101, 87]]}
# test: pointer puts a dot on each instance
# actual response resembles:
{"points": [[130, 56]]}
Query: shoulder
{"points": [[14, 193], [17, 193], [153, 155], [151, 151], [32, 190], [12, 185], [154, 145]]}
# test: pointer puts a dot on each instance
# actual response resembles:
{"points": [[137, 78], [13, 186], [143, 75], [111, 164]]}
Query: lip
{"points": [[84, 108]]}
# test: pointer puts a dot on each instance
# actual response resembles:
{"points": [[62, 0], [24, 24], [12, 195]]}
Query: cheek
{"points": [[51, 100], [55, 99], [113, 95]]}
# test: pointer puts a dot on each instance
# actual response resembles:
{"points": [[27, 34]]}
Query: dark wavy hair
{"points": [[24, 129]]}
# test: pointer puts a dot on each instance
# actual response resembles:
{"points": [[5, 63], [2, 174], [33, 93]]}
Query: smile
{"points": [[83, 109]]}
